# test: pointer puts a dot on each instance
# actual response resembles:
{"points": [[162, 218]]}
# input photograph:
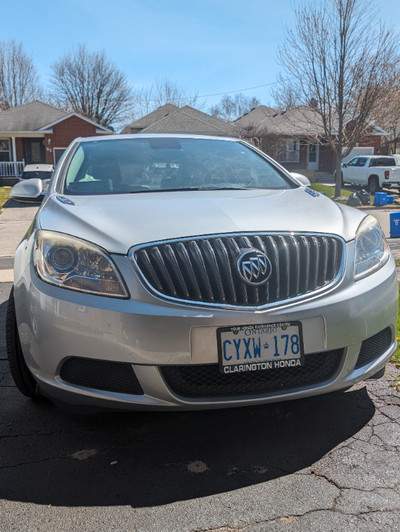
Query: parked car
{"points": [[373, 172], [32, 171], [41, 171], [219, 281]]}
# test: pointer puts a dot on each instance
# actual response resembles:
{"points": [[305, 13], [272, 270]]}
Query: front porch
{"points": [[11, 168]]}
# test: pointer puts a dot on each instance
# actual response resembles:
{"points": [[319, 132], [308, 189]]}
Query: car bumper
{"points": [[145, 353]]}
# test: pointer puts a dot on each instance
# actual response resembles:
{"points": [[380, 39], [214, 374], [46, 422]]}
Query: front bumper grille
{"points": [[106, 375], [373, 347], [205, 381], [205, 270]]}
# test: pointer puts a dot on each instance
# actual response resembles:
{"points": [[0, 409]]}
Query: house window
{"points": [[4, 150], [57, 152], [289, 151]]}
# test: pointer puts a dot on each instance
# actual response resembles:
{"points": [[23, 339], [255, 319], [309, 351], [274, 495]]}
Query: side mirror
{"points": [[28, 190], [302, 179], [344, 165]]}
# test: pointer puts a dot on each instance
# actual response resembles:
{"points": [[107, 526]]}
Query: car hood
{"points": [[118, 222]]}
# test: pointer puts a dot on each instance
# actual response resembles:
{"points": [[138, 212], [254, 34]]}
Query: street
{"points": [[323, 464]]}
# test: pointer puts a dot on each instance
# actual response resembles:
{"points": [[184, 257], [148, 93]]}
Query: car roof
{"points": [[38, 167], [154, 136]]}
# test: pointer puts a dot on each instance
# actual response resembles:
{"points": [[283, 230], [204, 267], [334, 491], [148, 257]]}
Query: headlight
{"points": [[75, 264], [371, 249]]}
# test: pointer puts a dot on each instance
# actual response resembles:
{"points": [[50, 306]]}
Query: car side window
{"points": [[383, 161], [357, 161]]}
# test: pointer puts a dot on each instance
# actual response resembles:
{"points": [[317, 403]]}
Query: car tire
{"points": [[373, 185], [23, 378]]}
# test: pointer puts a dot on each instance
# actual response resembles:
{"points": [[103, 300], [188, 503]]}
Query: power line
{"points": [[178, 98], [237, 90]]}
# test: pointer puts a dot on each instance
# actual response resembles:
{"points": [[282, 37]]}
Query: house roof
{"points": [[29, 117], [151, 118], [299, 121], [37, 116], [255, 116], [302, 120], [184, 120]]}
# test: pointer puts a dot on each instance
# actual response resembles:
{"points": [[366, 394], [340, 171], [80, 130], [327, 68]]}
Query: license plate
{"points": [[260, 347]]}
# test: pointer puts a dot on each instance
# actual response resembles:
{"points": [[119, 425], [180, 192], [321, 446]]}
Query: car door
{"points": [[355, 171]]}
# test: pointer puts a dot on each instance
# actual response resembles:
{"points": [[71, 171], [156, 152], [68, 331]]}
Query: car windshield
{"points": [[41, 174], [157, 164]]}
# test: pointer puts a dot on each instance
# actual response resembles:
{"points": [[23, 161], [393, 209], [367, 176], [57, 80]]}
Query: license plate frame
{"points": [[260, 347]]}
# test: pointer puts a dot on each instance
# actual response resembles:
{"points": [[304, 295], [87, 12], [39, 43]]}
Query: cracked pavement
{"points": [[323, 464]]}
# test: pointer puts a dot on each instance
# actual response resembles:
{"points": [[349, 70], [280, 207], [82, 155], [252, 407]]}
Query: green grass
{"points": [[329, 192], [396, 356], [397, 352], [4, 195]]}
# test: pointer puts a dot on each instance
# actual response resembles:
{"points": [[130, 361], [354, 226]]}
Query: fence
{"points": [[11, 169]]}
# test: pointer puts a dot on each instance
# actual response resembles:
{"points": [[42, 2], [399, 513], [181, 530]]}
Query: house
{"points": [[39, 133], [172, 119], [295, 138]]}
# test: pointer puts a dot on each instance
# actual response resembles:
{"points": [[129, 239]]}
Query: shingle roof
{"points": [[37, 116], [151, 118], [190, 120], [29, 117], [255, 116], [300, 120]]}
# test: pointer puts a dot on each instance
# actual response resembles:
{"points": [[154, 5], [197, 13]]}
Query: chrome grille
{"points": [[204, 270]]}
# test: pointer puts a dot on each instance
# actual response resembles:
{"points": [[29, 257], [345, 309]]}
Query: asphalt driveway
{"points": [[323, 464]]}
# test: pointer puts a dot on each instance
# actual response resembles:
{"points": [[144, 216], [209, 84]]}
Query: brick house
{"points": [[295, 138], [39, 133]]}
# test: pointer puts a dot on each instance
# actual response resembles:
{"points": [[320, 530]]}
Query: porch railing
{"points": [[11, 168]]}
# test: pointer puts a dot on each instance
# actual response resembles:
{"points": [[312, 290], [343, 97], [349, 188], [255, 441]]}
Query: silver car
{"points": [[193, 272]]}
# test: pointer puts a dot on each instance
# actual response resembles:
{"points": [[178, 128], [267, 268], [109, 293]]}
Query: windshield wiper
{"points": [[188, 189], [226, 187]]}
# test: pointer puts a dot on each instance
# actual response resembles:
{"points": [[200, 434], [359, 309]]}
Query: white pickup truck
{"points": [[373, 171]]}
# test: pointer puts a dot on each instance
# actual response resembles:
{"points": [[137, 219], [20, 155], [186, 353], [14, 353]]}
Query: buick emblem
{"points": [[254, 267]]}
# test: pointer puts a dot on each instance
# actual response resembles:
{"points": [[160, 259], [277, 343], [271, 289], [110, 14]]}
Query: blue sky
{"points": [[205, 47]]}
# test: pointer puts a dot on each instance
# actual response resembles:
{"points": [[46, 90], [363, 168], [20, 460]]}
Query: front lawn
{"points": [[4, 195], [329, 191], [396, 355], [397, 352]]}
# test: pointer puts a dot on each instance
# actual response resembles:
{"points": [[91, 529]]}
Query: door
{"points": [[313, 156], [355, 171], [34, 151]]}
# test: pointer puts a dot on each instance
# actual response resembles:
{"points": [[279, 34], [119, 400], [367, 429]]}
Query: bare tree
{"points": [[18, 78], [163, 91], [340, 56], [263, 138], [231, 108], [387, 111], [89, 84], [284, 95]]}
